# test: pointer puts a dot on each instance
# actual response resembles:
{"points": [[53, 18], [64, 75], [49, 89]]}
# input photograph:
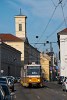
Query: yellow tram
{"points": [[31, 75]]}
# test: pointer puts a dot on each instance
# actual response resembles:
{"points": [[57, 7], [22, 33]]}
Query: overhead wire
{"points": [[65, 3], [49, 21], [53, 3], [54, 31], [59, 25], [63, 14], [60, 1]]}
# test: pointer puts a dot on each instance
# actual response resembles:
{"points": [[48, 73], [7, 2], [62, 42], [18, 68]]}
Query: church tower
{"points": [[20, 26]]}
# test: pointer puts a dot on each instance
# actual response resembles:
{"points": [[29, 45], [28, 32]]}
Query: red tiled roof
{"points": [[64, 31], [9, 37]]}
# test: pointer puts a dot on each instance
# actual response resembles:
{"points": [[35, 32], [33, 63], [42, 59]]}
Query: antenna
{"points": [[20, 11]]}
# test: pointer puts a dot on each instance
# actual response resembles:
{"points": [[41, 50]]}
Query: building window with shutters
{"points": [[20, 27]]}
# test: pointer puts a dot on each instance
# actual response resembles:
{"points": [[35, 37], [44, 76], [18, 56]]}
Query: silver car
{"points": [[11, 84], [7, 92], [64, 85], [2, 93]]}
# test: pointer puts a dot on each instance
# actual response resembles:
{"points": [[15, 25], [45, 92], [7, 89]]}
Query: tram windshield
{"points": [[33, 70]]}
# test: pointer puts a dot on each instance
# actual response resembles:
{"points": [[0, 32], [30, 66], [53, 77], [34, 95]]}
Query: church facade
{"points": [[20, 41]]}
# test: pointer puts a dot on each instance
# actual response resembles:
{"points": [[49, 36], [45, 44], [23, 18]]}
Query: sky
{"points": [[45, 18]]}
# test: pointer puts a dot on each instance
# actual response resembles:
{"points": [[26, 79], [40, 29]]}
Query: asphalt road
{"points": [[51, 91]]}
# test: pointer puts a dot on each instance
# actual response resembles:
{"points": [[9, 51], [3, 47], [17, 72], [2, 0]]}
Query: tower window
{"points": [[20, 27]]}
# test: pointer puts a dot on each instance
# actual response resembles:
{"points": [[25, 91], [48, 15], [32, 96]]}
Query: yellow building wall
{"points": [[19, 46], [24, 48], [44, 61]]}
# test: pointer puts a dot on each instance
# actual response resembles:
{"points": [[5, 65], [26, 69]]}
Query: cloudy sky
{"points": [[44, 19]]}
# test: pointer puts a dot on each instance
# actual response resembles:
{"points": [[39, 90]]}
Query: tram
{"points": [[31, 75]]}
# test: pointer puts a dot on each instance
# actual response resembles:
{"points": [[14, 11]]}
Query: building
{"points": [[20, 42], [45, 61], [62, 42], [10, 60], [34, 55]]}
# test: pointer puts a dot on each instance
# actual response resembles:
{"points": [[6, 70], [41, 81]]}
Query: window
{"points": [[33, 70], [20, 27]]}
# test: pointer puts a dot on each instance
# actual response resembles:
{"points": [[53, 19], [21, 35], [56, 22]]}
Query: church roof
{"points": [[9, 37]]}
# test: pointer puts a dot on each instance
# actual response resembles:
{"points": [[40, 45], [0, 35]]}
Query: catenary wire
{"points": [[65, 3], [53, 3], [63, 15], [53, 31], [60, 24], [49, 21]]}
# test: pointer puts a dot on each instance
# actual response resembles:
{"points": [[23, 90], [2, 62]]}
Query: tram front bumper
{"points": [[34, 80]]}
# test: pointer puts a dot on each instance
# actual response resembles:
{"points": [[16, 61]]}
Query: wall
{"points": [[44, 61], [10, 60], [63, 55], [19, 46]]}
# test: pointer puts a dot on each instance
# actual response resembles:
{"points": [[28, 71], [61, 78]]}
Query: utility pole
{"points": [[52, 61], [37, 49], [51, 51]]}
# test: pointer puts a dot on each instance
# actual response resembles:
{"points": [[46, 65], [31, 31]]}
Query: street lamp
{"points": [[36, 36], [37, 52]]}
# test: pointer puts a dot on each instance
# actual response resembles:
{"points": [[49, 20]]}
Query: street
{"points": [[51, 91]]}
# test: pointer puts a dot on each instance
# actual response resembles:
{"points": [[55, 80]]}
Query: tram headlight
{"points": [[38, 80], [29, 80]]}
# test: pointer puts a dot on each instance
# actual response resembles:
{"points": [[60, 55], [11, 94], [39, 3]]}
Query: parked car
{"points": [[11, 84], [3, 80], [11, 78], [64, 85], [60, 79], [7, 92], [2, 94]]}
